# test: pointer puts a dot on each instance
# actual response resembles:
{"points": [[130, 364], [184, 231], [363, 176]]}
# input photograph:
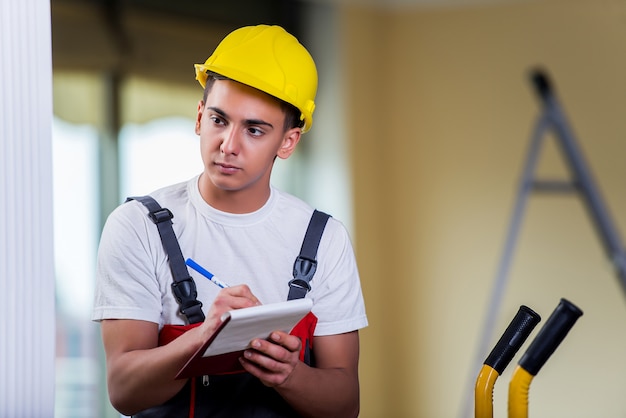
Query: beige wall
{"points": [[440, 113]]}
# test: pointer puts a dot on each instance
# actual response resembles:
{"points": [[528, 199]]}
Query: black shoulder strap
{"points": [[306, 263], [183, 287]]}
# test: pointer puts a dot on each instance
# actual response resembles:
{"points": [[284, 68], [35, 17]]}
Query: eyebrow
{"points": [[247, 121]]}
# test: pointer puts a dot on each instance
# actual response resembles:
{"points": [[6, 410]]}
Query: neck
{"points": [[233, 201]]}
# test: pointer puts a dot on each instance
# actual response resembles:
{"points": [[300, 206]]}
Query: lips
{"points": [[226, 168]]}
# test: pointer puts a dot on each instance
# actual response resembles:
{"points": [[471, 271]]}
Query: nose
{"points": [[230, 142]]}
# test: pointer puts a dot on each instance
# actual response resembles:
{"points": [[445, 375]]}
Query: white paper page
{"points": [[257, 322]]}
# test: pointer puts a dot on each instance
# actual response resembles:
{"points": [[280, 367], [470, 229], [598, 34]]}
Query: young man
{"points": [[260, 86]]}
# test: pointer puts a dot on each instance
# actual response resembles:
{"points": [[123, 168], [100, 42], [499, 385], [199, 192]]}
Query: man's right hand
{"points": [[228, 299], [140, 373]]}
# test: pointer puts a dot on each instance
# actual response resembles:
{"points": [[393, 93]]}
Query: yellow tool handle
{"points": [[483, 393], [518, 393]]}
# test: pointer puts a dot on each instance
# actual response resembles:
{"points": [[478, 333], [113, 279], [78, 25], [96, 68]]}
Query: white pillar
{"points": [[329, 182], [27, 314]]}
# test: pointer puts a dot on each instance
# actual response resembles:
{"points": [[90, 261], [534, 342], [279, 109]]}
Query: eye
{"points": [[255, 131], [217, 120]]}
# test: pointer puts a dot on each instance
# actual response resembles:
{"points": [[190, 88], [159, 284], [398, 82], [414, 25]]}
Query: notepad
{"points": [[221, 352]]}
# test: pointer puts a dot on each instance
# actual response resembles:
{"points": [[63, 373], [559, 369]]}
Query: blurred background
{"points": [[424, 116]]}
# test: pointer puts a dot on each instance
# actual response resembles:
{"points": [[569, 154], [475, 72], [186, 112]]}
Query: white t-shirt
{"points": [[258, 249]]}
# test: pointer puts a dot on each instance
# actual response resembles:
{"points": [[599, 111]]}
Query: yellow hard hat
{"points": [[268, 59]]}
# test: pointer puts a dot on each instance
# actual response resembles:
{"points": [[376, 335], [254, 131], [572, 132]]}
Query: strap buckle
{"points": [[303, 271], [185, 293], [161, 215], [300, 284]]}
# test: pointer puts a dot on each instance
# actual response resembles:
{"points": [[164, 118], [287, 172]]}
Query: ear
{"points": [[199, 116], [290, 140]]}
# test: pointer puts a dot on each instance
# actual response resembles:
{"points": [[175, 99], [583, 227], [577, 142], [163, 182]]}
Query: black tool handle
{"points": [[550, 336], [512, 339]]}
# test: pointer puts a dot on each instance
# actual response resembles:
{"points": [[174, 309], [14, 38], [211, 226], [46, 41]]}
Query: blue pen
{"points": [[197, 267]]}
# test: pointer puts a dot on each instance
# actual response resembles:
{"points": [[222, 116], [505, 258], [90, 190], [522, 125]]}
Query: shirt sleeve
{"points": [[336, 288], [126, 282]]}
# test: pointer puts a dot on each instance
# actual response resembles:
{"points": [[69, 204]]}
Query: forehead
{"points": [[234, 94]]}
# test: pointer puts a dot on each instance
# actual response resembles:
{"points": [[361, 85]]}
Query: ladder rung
{"points": [[561, 186]]}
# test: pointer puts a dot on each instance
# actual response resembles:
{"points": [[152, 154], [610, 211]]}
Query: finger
{"points": [[280, 348], [267, 377], [269, 362], [290, 342], [269, 358], [235, 297], [243, 294]]}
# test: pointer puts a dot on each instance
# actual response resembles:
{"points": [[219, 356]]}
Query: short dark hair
{"points": [[293, 116]]}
